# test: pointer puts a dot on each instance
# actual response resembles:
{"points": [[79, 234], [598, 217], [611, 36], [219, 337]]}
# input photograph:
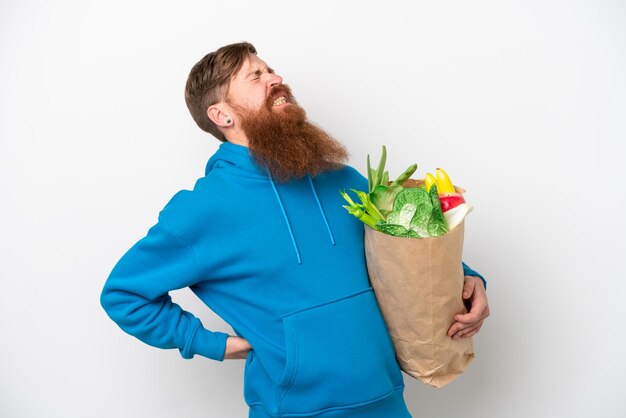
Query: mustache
{"points": [[276, 92]]}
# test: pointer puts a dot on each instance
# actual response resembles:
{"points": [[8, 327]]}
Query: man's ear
{"points": [[218, 115]]}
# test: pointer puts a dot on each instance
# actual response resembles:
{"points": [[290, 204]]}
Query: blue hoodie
{"points": [[283, 264]]}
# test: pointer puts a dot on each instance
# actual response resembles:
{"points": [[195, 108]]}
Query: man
{"points": [[264, 241]]}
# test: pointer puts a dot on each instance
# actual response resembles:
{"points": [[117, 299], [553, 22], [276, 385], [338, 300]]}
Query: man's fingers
{"points": [[454, 328], [477, 312], [466, 331], [469, 332], [470, 317], [457, 327], [464, 321], [473, 332]]}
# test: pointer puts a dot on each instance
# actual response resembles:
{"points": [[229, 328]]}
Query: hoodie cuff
{"points": [[208, 344], [468, 271]]}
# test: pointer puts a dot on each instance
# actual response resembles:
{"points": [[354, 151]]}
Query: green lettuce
{"points": [[392, 209], [437, 225], [415, 210], [396, 230]]}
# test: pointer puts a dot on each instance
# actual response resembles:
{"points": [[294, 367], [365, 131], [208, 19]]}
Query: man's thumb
{"points": [[468, 289]]}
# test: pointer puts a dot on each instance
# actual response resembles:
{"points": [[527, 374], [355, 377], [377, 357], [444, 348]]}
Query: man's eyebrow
{"points": [[258, 72]]}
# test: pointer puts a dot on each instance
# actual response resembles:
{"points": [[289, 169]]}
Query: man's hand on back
{"points": [[467, 325], [236, 348]]}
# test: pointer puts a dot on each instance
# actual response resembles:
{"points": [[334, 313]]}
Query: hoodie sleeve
{"points": [[136, 297]]}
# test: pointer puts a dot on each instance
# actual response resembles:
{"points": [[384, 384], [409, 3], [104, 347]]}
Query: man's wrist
{"points": [[480, 279], [236, 348]]}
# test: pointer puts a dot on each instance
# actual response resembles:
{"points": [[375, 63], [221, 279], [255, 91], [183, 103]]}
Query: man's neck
{"points": [[238, 138]]}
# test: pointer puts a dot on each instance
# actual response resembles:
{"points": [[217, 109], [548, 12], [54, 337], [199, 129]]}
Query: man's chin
{"points": [[288, 113]]}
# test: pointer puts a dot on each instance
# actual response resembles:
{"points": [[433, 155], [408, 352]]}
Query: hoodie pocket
{"points": [[338, 354]]}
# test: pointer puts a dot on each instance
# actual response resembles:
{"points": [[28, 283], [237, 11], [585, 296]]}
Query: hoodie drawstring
{"points": [[293, 240], [319, 205], [282, 208]]}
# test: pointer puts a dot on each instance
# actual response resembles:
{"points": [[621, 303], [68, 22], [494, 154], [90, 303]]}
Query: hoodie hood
{"points": [[239, 156]]}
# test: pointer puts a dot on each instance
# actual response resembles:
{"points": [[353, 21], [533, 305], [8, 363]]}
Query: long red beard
{"points": [[286, 143]]}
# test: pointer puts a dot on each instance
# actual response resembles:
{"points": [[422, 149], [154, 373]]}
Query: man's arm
{"points": [[136, 297]]}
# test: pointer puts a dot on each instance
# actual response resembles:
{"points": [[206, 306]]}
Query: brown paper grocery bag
{"points": [[418, 285]]}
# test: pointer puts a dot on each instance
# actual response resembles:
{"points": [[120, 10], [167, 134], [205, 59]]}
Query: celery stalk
{"points": [[364, 217], [369, 207]]}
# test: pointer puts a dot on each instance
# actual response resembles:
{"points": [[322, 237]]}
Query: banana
{"points": [[429, 181], [444, 185]]}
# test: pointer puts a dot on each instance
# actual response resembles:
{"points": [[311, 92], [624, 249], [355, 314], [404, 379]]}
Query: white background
{"points": [[522, 102]]}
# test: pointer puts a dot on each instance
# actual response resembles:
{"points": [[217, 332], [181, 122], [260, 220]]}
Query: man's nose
{"points": [[274, 80]]}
